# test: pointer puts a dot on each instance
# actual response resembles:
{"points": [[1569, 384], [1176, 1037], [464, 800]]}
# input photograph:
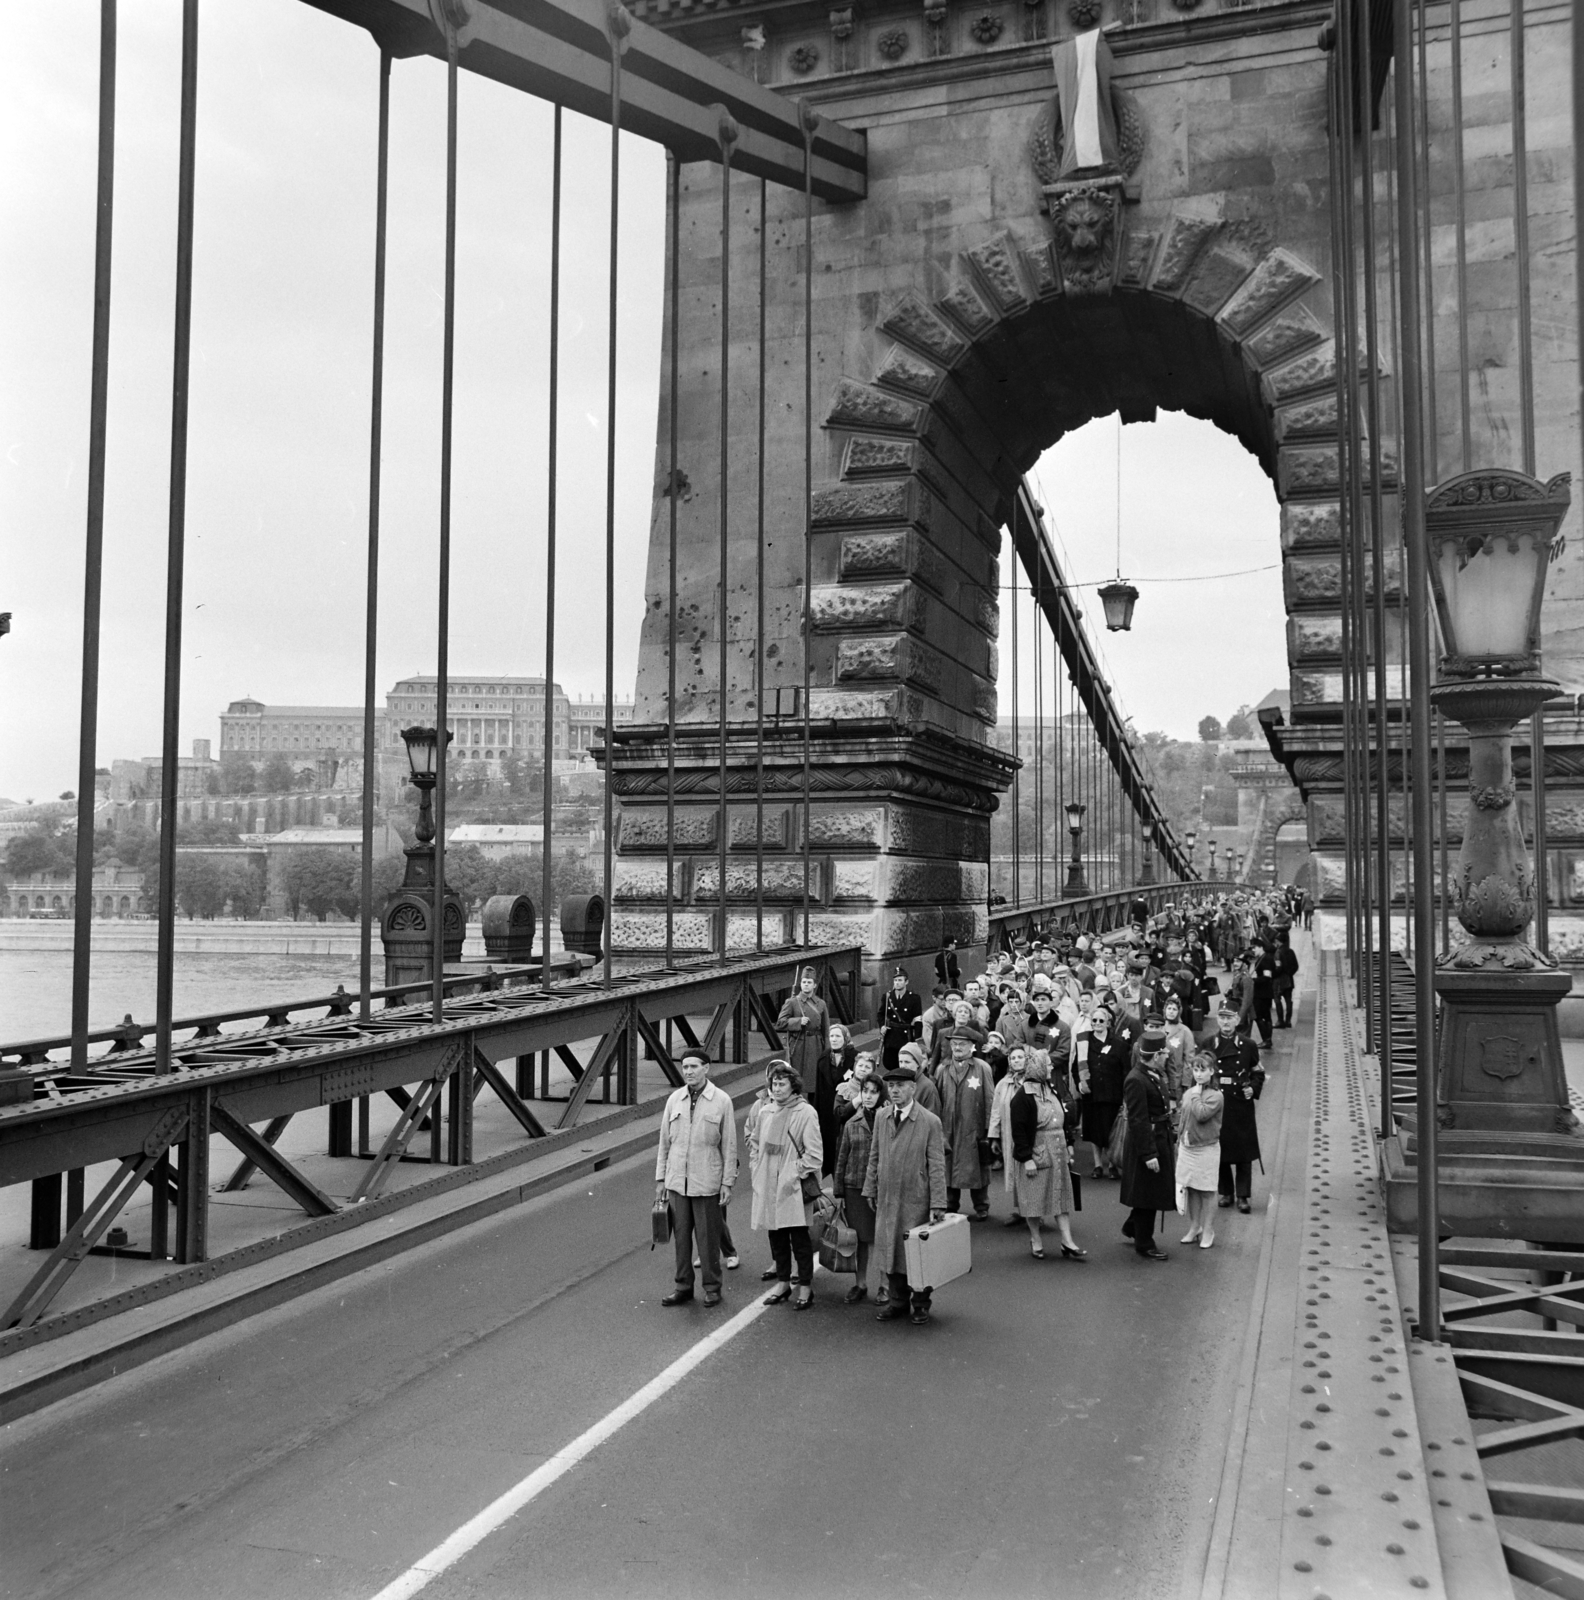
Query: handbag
{"points": [[810, 1183], [1117, 1148], [660, 1224]]}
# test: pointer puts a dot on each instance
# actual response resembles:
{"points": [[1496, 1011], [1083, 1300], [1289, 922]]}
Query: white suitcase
{"points": [[937, 1252]]}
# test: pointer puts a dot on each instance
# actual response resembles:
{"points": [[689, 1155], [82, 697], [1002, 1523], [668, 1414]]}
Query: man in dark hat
{"points": [[901, 1018], [1149, 1181], [906, 1185], [694, 1172], [966, 1086]]}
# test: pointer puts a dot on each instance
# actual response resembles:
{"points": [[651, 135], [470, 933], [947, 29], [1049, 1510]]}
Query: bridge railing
{"points": [[156, 1125], [1093, 913]]}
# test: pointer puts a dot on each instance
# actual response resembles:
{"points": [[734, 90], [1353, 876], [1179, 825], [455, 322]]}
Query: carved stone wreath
{"points": [[987, 28], [803, 58], [893, 44], [1048, 137], [1494, 798]]}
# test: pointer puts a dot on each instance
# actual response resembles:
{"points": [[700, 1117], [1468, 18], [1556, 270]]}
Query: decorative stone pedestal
{"points": [[898, 827]]}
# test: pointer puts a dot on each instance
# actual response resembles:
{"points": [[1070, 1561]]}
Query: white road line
{"points": [[447, 1554]]}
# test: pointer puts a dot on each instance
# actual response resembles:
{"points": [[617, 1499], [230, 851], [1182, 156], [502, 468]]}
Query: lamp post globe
{"points": [[1147, 863]]}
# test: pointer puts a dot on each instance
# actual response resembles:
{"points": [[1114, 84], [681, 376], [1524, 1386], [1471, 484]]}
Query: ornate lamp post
{"points": [[1499, 1070], [1212, 860], [405, 925], [1075, 886], [1242, 857], [1147, 870], [1191, 838]]}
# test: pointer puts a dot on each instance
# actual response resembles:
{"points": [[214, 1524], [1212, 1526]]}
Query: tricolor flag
{"points": [[1083, 86]]}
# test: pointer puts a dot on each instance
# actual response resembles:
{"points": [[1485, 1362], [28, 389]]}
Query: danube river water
{"points": [[35, 985]]}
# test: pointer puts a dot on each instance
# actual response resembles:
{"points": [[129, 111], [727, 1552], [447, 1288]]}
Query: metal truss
{"points": [[1520, 1362], [124, 1111], [1094, 913]]}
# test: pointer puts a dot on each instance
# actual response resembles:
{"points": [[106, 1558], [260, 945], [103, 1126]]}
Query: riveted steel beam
{"points": [[559, 50]]}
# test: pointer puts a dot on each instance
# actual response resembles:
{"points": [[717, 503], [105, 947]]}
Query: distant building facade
{"points": [[117, 892]]}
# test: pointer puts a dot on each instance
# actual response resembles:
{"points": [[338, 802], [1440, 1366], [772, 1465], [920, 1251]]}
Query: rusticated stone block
{"points": [[862, 705], [894, 605], [1308, 419], [1138, 251], [869, 458], [883, 500], [1313, 371], [1283, 337], [855, 880], [900, 933], [1313, 638], [1312, 580], [1216, 274], [641, 878], [1311, 524], [777, 829], [1307, 470], [857, 405], [903, 370], [932, 882], [742, 931], [1185, 238], [848, 829], [938, 833], [783, 880], [640, 932], [891, 655], [905, 553], [911, 322], [996, 265], [835, 927], [644, 828], [1315, 688], [1331, 874], [984, 702], [1040, 265], [1279, 278], [1564, 818], [966, 307], [968, 925], [987, 613]]}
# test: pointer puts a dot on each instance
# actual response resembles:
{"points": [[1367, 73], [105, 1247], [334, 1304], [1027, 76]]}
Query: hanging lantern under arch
{"points": [[1118, 598]]}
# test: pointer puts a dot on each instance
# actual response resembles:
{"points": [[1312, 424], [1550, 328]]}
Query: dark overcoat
{"points": [[1149, 1133], [1238, 1067], [906, 1179]]}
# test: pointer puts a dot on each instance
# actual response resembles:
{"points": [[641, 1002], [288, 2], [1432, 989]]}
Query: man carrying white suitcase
{"points": [[906, 1184]]}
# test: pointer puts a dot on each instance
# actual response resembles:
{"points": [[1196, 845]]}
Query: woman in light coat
{"points": [[784, 1149], [1199, 1151]]}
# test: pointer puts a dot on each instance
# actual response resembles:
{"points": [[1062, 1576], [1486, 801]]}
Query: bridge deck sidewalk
{"points": [[1327, 1491]]}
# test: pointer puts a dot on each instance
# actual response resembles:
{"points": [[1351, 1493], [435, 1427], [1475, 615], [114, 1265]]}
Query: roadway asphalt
{"points": [[1058, 1429]]}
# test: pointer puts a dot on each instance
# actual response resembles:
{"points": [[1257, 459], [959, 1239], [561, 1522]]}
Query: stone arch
{"points": [[968, 386]]}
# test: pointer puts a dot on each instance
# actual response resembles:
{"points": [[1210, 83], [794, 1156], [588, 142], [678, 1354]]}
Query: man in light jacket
{"points": [[694, 1172]]}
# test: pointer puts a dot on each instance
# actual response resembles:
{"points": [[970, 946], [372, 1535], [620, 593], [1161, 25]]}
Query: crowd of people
{"points": [[1072, 1057]]}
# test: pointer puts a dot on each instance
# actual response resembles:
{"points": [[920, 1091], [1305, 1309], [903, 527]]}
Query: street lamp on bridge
{"points": [[405, 926], [1147, 830], [1191, 838], [1076, 886], [1212, 860]]}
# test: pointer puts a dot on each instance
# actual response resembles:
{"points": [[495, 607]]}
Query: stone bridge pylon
{"points": [[1014, 272]]}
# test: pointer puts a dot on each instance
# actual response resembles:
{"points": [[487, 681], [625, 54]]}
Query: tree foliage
{"points": [[208, 886], [40, 850], [1240, 725], [320, 880], [278, 776], [1210, 729]]}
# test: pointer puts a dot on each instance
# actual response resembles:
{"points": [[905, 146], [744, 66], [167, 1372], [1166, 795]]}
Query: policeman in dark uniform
{"points": [[900, 1020], [1240, 1078]]}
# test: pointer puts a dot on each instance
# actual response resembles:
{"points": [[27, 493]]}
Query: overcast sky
{"points": [[276, 520]]}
